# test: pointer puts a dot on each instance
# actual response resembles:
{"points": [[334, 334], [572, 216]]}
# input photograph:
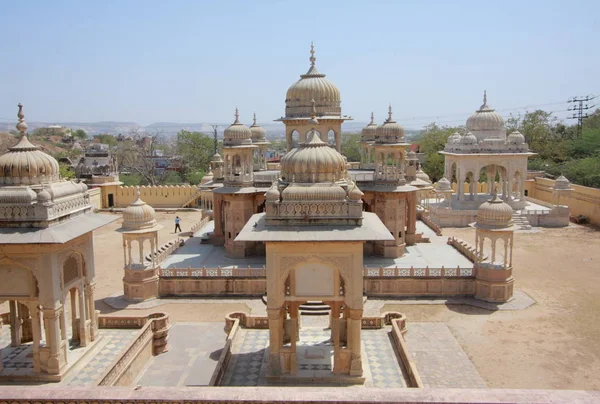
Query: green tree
{"points": [[431, 141], [351, 146], [105, 138], [79, 134], [66, 172], [131, 179], [196, 150]]}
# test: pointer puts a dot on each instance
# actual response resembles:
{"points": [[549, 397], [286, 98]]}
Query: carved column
{"points": [[275, 339], [55, 353], [15, 325], [354, 342], [89, 292], [83, 333]]}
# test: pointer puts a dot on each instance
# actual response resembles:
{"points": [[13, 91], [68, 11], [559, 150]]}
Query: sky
{"points": [[195, 61]]}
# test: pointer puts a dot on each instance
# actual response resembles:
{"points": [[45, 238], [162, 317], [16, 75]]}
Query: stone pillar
{"points": [[83, 333], [36, 330], [354, 342], [15, 325], [74, 328], [275, 339], [55, 354], [293, 337], [89, 292], [411, 225], [24, 315]]}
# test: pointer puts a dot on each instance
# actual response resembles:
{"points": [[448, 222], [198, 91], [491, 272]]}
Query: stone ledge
{"points": [[247, 395]]}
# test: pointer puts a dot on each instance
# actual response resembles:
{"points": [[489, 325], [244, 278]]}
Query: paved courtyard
{"points": [[435, 254], [440, 360], [192, 358]]}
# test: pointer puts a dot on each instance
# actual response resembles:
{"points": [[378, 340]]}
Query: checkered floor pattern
{"points": [[248, 356]]}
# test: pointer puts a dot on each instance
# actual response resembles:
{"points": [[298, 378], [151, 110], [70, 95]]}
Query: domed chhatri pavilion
{"points": [[47, 257]]}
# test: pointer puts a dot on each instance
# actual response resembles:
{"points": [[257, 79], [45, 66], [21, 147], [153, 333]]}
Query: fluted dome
{"points": [[454, 138], [485, 119], [25, 163], [258, 132], [390, 131], [468, 139], [562, 183], [443, 185], [516, 137], [216, 158], [368, 132], [139, 216], [312, 86], [237, 133], [422, 175], [494, 214], [313, 161]]}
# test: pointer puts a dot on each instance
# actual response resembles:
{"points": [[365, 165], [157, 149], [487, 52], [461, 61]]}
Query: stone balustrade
{"points": [[431, 224], [465, 249], [427, 272]]}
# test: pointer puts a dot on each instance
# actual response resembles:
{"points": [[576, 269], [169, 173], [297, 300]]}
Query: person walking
{"points": [[177, 226]]}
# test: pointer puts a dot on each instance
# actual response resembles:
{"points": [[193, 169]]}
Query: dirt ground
{"points": [[554, 344]]}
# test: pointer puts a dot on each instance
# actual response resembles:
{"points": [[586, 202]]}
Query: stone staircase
{"points": [[161, 249], [310, 308], [521, 221], [192, 199]]}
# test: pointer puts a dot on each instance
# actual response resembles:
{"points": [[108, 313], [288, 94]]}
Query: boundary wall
{"points": [[288, 395]]}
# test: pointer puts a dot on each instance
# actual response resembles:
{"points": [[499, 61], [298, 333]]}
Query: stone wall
{"points": [[95, 198], [288, 395], [581, 201], [161, 196]]}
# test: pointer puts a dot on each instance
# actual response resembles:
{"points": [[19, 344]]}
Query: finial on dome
{"points": [[312, 54], [21, 126], [372, 118], [237, 115], [254, 122], [390, 112], [484, 97], [137, 191]]}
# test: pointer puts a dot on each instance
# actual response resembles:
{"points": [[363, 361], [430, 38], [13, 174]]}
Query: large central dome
{"points": [[312, 86], [314, 161]]}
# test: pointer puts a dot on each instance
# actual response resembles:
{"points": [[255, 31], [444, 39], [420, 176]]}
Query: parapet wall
{"points": [[581, 201], [160, 196]]}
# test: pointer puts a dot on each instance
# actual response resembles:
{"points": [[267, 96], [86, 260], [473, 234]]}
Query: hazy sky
{"points": [[194, 61]]}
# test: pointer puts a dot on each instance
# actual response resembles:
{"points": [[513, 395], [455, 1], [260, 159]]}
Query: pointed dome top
{"points": [[237, 133], [312, 86], [369, 131], [258, 133], [562, 183], [486, 120], [25, 163], [443, 185], [139, 216], [389, 131]]}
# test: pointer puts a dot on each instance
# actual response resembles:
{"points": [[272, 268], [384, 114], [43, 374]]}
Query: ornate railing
{"points": [[172, 246], [200, 224], [427, 272], [212, 272]]}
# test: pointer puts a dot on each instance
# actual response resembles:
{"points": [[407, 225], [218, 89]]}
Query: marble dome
{"points": [[494, 214], [313, 161], [369, 131], [454, 138], [562, 183], [485, 119], [312, 86], [516, 137], [139, 215], [25, 163], [469, 138], [237, 134], [443, 185], [422, 175], [258, 132], [390, 131]]}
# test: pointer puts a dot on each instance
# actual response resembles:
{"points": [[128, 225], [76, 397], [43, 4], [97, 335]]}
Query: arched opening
{"points": [[295, 139], [330, 138]]}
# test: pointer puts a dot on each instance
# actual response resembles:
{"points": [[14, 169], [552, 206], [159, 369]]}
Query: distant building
{"points": [[54, 130]]}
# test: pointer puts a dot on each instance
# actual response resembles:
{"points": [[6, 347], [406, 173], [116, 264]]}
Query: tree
{"points": [[66, 172], [431, 141], [195, 149], [105, 138], [79, 134], [351, 146], [144, 157]]}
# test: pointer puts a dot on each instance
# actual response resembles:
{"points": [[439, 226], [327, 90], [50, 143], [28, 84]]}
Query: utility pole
{"points": [[580, 110], [215, 136]]}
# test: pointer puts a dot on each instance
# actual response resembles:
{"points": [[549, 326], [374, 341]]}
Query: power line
{"points": [[578, 110]]}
